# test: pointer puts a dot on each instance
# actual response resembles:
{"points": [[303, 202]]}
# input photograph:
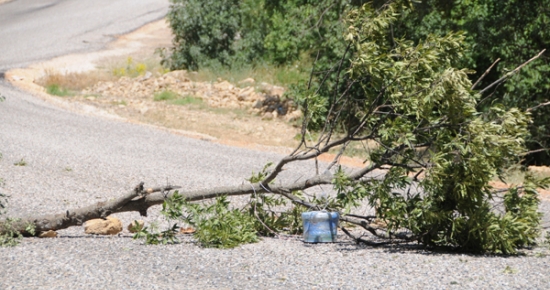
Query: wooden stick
{"points": [[509, 74], [485, 73]]}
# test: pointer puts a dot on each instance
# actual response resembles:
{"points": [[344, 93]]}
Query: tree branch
{"points": [[484, 74], [509, 74]]}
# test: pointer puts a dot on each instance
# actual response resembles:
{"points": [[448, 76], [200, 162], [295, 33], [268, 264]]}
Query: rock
{"points": [[147, 76], [177, 74], [132, 226], [143, 110], [293, 116], [249, 81], [224, 86], [48, 234], [187, 230], [108, 226], [245, 93], [267, 116], [17, 78]]}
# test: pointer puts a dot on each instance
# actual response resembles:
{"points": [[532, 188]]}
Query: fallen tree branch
{"points": [[75, 217], [360, 240], [140, 200]]}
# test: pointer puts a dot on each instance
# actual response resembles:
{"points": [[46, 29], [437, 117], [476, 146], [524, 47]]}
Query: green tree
{"points": [[510, 30], [215, 33], [421, 116]]}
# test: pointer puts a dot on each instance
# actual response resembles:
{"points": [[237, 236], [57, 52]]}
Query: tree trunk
{"points": [[141, 199]]}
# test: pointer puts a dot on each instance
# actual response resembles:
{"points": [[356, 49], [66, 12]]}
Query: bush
{"points": [[214, 33], [235, 33]]}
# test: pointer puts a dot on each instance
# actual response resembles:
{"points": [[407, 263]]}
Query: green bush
{"points": [[214, 33], [218, 226], [235, 33], [165, 96], [56, 90]]}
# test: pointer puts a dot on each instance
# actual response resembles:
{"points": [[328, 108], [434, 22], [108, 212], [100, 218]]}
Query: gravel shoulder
{"points": [[78, 154]]}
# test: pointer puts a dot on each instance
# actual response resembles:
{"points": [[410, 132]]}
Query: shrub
{"points": [[165, 96], [56, 90], [214, 33]]}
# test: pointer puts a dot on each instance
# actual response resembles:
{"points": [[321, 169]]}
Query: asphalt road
{"points": [[34, 30]]}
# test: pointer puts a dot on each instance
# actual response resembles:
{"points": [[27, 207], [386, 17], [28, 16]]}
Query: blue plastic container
{"points": [[320, 226]]}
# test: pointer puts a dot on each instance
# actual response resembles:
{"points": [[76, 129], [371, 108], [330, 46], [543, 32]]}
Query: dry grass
{"points": [[75, 81], [109, 71], [280, 76]]}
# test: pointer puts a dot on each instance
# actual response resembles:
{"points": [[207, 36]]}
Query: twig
{"points": [[256, 214], [370, 243], [312, 70], [484, 74], [535, 151], [538, 106], [509, 74], [368, 217]]}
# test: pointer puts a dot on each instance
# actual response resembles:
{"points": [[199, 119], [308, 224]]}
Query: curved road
{"points": [[35, 30]]}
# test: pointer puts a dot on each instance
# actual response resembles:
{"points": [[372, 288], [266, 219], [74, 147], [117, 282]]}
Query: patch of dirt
{"points": [[246, 115], [222, 110]]}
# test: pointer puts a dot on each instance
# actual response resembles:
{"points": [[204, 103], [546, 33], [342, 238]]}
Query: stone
{"points": [[249, 81], [224, 86], [108, 226], [177, 74], [293, 116], [17, 78], [187, 230], [245, 93], [267, 116], [132, 226], [277, 91], [147, 76], [48, 234]]}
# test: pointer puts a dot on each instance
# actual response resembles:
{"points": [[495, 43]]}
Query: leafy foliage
{"points": [[423, 115], [216, 225], [214, 33], [241, 32], [10, 236], [233, 33], [219, 226], [513, 31], [171, 210]]}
